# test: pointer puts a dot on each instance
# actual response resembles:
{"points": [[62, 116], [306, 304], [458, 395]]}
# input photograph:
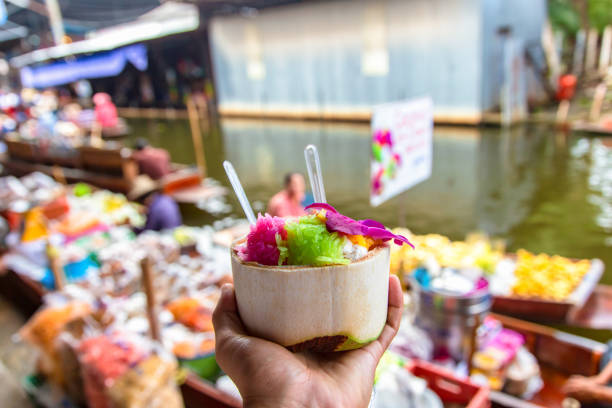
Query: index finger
{"points": [[225, 316]]}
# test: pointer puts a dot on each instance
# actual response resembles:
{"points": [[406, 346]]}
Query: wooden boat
{"points": [[559, 355], [199, 393], [596, 313], [25, 294], [186, 186], [227, 236], [549, 311], [110, 168], [598, 129], [116, 132]]}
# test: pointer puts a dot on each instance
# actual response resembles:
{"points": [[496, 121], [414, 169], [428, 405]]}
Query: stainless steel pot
{"points": [[450, 320]]}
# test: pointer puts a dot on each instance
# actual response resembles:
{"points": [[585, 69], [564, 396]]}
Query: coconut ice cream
{"points": [[317, 282]]}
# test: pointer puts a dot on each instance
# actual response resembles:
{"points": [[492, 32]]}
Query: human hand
{"points": [[269, 375], [583, 389]]}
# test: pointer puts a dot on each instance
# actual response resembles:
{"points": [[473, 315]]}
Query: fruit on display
{"points": [[548, 277], [477, 251]]}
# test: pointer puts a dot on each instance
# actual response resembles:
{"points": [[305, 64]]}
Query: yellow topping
{"points": [[361, 240], [322, 215]]}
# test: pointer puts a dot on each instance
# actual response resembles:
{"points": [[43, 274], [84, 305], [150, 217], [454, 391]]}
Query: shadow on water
{"points": [[537, 189]]}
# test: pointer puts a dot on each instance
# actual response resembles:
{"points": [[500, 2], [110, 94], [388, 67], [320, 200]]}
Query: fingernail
{"points": [[226, 289]]}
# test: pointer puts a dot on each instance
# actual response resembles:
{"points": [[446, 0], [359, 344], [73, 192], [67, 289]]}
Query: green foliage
{"points": [[600, 13], [564, 15]]}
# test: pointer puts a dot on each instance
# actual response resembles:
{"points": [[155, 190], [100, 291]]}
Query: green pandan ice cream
{"points": [[310, 243]]}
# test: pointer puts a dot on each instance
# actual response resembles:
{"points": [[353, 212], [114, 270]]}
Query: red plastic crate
{"points": [[448, 387]]}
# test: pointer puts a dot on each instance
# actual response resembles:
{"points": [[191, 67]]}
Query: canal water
{"points": [[533, 186]]}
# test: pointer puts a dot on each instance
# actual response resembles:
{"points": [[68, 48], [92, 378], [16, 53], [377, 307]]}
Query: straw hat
{"points": [[142, 185]]}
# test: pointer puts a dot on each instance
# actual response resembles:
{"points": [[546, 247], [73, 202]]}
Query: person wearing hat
{"points": [[161, 210]]}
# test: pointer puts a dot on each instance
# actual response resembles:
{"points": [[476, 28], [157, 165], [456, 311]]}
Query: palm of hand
{"points": [[270, 375]]}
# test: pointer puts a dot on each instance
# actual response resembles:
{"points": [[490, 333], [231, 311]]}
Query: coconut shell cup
{"points": [[322, 309]]}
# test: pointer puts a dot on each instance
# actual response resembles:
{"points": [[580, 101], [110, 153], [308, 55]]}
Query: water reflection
{"points": [[539, 189], [600, 180], [479, 180], [262, 152], [507, 178]]}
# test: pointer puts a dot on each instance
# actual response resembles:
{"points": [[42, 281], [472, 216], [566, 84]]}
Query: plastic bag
{"points": [[43, 329], [127, 371], [67, 344]]}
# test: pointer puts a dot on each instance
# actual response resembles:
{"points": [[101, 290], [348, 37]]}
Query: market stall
{"points": [[73, 260], [453, 285], [85, 232], [538, 287]]}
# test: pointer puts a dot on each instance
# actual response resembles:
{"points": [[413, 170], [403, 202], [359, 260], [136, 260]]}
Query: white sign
{"points": [[402, 147]]}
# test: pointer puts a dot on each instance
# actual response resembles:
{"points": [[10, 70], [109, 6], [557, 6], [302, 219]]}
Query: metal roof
{"points": [[169, 18]]}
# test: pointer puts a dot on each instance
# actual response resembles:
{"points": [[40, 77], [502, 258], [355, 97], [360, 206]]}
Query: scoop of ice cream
{"points": [[353, 252], [261, 245], [310, 243]]}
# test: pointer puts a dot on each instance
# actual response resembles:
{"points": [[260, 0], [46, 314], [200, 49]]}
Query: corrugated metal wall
{"points": [[345, 56], [341, 57], [525, 19]]}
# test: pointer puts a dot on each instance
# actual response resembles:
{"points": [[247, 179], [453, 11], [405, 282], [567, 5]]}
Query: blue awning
{"points": [[105, 64]]}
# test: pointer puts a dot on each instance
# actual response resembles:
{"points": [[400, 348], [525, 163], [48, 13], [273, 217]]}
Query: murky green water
{"points": [[539, 189]]}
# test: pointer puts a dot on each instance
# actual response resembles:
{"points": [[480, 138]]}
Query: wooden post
{"points": [[55, 20], [563, 111], [550, 52], [606, 48], [96, 134], [196, 135], [56, 267], [147, 284], [598, 98], [591, 51]]}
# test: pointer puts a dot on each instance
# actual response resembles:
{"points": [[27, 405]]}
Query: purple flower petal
{"points": [[341, 223], [385, 235], [372, 223]]}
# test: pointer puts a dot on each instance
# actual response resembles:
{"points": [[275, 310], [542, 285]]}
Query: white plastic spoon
{"points": [[314, 173], [244, 202]]}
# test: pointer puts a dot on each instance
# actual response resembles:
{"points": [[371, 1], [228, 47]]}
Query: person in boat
{"points": [[269, 375], [596, 389], [152, 161], [288, 201], [161, 210], [105, 110]]}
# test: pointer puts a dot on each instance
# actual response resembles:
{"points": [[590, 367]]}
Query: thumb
{"points": [[231, 341], [225, 316]]}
